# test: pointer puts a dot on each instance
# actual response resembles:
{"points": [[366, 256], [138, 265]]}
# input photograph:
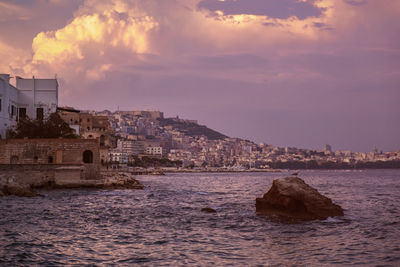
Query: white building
{"points": [[120, 157], [131, 147], [35, 98], [154, 150]]}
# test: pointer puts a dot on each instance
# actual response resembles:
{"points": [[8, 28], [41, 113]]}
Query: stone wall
{"points": [[36, 175], [48, 151], [45, 155], [40, 175]]}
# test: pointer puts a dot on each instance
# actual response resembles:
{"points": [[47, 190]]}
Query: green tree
{"points": [[53, 127]]}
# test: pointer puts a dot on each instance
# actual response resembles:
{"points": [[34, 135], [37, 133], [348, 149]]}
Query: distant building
{"points": [[154, 150], [88, 126], [327, 148], [120, 157], [33, 98], [131, 147], [154, 115]]}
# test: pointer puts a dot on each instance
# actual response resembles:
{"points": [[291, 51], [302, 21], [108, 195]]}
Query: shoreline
{"points": [[165, 171], [13, 184]]}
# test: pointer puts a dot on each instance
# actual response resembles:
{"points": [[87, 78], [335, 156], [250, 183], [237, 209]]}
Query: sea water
{"points": [[163, 225]]}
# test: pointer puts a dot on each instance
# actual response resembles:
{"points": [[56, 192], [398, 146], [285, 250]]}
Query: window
{"points": [[13, 110], [22, 113], [39, 114], [87, 156], [50, 159]]}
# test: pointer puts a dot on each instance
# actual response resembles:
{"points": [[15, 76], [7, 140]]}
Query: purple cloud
{"points": [[281, 9], [356, 2], [322, 26]]}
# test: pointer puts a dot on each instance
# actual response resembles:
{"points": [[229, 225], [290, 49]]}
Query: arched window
{"points": [[87, 156]]}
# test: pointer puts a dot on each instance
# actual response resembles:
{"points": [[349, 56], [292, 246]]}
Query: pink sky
{"points": [[301, 73]]}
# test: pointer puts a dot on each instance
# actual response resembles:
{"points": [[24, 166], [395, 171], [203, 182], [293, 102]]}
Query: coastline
{"points": [[17, 184], [163, 171]]}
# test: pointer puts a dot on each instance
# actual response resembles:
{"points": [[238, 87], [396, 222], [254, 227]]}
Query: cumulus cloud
{"points": [[175, 36], [112, 27], [105, 35]]}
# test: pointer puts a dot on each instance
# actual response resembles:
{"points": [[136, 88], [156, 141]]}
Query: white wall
{"points": [[30, 94], [38, 93], [9, 98]]}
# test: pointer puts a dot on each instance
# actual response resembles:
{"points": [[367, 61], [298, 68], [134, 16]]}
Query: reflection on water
{"points": [[164, 225]]}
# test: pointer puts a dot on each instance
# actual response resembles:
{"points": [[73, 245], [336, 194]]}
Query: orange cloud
{"points": [[105, 28]]}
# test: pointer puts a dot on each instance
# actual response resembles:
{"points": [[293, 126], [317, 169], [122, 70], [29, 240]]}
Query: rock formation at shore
{"points": [[9, 186], [292, 198], [120, 180], [18, 185]]}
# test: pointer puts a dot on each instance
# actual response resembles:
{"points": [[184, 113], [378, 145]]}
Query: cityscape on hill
{"points": [[132, 135], [139, 138]]}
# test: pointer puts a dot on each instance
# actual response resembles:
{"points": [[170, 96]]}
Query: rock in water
{"points": [[207, 209], [9, 185], [292, 198], [20, 190]]}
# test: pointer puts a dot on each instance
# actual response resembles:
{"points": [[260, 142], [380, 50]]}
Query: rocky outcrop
{"points": [[10, 186], [19, 185], [121, 180], [292, 198]]}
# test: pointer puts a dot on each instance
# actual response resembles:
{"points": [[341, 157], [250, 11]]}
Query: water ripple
{"points": [[163, 225]]}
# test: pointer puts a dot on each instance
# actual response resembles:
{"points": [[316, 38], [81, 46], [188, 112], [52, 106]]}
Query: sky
{"points": [[297, 73]]}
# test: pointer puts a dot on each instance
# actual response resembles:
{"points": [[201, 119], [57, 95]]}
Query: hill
{"points": [[191, 128]]}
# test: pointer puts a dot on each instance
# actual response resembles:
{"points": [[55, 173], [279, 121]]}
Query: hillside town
{"points": [[127, 137], [148, 133]]}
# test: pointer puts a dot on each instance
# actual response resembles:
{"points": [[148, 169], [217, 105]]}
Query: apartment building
{"points": [[33, 98]]}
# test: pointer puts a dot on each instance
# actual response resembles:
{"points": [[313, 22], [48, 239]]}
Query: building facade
{"points": [[33, 98], [88, 126], [49, 151], [65, 160], [157, 150]]}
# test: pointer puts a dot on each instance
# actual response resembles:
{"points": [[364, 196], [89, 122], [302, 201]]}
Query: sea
{"points": [[163, 225]]}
